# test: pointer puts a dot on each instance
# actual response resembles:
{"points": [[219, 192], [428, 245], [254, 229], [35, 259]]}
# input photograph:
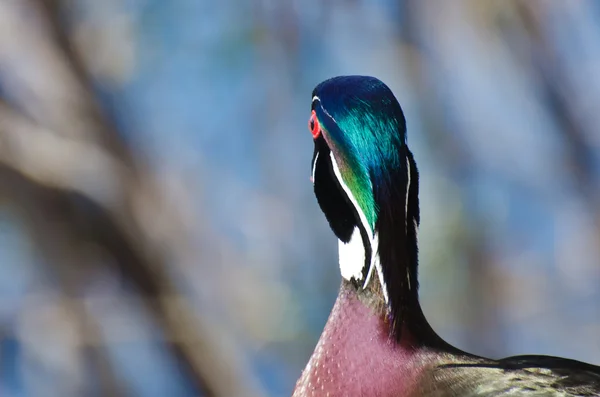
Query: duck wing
{"points": [[529, 376]]}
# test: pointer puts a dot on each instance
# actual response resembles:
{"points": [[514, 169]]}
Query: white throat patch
{"points": [[352, 256]]}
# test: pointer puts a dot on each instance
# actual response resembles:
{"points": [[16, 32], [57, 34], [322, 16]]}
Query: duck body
{"points": [[356, 356], [377, 341]]}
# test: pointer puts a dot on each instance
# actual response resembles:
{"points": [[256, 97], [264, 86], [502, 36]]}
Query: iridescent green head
{"points": [[365, 179]]}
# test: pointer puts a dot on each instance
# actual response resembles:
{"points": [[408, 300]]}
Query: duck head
{"points": [[366, 183]]}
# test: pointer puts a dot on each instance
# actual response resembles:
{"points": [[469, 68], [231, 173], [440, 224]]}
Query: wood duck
{"points": [[377, 341]]}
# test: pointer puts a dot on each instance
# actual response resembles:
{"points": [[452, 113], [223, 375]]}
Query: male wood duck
{"points": [[377, 341]]}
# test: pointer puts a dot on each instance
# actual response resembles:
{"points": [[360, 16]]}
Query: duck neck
{"points": [[405, 323], [397, 228]]}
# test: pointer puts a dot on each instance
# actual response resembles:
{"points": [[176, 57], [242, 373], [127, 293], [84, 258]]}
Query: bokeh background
{"points": [[158, 231]]}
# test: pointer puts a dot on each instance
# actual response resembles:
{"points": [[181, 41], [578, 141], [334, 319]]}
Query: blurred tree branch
{"points": [[422, 57], [62, 158], [559, 96]]}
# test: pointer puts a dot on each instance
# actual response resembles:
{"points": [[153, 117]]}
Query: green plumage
{"points": [[365, 130]]}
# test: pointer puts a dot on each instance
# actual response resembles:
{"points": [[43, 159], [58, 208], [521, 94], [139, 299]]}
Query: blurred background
{"points": [[158, 230]]}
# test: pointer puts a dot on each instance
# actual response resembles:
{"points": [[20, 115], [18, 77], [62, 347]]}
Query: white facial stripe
{"points": [[352, 256], [314, 167], [316, 98], [327, 113]]}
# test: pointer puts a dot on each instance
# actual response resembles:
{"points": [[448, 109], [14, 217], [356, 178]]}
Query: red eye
{"points": [[313, 125]]}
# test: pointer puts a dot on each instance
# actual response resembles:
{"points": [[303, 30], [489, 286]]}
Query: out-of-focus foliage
{"points": [[201, 160]]}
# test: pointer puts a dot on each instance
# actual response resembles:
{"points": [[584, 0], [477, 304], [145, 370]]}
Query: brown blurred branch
{"points": [[547, 62], [53, 13], [61, 158], [558, 94]]}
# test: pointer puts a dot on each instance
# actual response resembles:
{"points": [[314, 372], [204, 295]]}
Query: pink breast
{"points": [[356, 357]]}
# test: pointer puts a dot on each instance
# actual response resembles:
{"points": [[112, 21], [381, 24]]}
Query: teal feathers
{"points": [[365, 127]]}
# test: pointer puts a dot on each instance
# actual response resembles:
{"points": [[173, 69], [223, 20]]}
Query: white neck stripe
{"points": [[373, 239], [407, 190], [376, 264], [314, 168]]}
